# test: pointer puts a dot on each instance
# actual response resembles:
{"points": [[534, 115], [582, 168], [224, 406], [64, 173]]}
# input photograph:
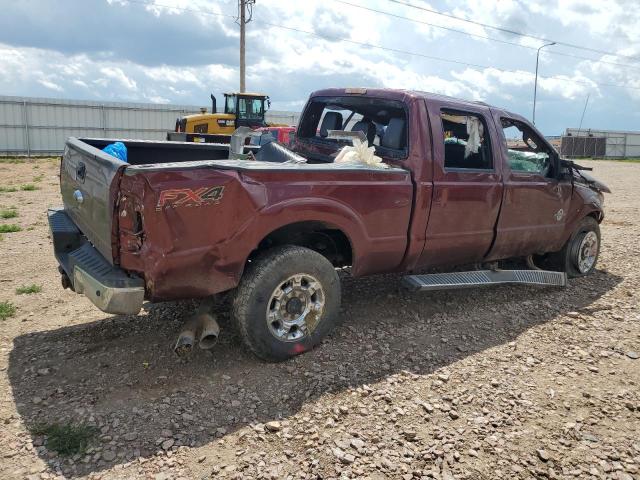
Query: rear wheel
{"points": [[287, 301], [580, 254]]}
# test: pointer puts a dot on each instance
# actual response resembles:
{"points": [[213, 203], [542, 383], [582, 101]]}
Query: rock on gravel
{"points": [[273, 426]]}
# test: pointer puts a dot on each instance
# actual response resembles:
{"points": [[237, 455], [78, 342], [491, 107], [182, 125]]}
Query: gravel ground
{"points": [[507, 382]]}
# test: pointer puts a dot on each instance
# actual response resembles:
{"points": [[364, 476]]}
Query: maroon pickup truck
{"points": [[464, 184]]}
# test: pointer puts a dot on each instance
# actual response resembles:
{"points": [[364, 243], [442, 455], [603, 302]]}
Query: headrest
{"points": [[366, 127], [331, 121], [394, 135]]}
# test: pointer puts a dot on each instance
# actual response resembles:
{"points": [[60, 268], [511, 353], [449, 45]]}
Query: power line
{"points": [[431, 24], [512, 32], [474, 66], [388, 49], [493, 39], [591, 60]]}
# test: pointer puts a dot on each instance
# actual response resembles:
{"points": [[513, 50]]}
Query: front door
{"points": [[467, 186], [535, 203]]}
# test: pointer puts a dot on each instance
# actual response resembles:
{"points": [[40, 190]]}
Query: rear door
{"points": [[89, 184], [536, 203], [467, 185]]}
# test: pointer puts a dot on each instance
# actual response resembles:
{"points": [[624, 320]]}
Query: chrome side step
{"points": [[442, 281]]}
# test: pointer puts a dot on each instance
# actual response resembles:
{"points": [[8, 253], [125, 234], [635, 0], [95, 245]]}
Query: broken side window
{"points": [[526, 152], [466, 145]]}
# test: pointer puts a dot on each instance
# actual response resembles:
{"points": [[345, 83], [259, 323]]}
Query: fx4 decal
{"points": [[186, 197]]}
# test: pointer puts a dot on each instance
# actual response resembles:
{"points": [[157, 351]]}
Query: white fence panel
{"points": [[40, 126]]}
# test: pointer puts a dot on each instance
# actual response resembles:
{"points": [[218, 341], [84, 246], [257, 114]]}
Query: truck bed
{"points": [[151, 152]]}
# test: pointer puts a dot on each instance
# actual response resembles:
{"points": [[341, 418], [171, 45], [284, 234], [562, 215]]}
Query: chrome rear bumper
{"points": [[110, 288]]}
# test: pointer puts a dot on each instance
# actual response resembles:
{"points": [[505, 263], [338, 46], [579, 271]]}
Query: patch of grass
{"points": [[12, 160], [38, 178], [8, 189], [11, 228], [7, 309], [28, 289], [67, 439], [11, 213], [28, 187]]}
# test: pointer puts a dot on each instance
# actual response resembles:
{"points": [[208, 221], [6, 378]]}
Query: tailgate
{"points": [[89, 183]]}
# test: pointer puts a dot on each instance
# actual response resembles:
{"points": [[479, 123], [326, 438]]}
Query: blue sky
{"points": [[178, 51]]}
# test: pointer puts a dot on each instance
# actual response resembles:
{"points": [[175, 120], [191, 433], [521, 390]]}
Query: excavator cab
{"points": [[248, 108], [240, 110]]}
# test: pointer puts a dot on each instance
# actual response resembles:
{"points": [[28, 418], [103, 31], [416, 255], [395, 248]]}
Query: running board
{"points": [[442, 281]]}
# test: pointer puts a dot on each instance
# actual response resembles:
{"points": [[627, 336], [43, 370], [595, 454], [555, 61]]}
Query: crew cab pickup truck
{"points": [[465, 184]]}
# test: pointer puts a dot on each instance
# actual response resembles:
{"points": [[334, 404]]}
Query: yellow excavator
{"points": [[240, 110]]}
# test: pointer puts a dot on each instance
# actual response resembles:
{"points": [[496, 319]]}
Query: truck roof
{"points": [[404, 95]]}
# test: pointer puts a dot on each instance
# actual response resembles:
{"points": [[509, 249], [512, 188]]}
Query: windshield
{"points": [[250, 108]]}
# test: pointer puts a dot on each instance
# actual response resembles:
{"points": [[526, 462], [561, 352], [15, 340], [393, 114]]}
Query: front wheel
{"points": [[287, 301], [580, 254]]}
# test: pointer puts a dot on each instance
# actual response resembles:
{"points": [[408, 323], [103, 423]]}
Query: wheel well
{"points": [[328, 241], [597, 215]]}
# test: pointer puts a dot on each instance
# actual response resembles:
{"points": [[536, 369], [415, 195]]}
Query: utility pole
{"points": [[535, 84], [245, 13]]}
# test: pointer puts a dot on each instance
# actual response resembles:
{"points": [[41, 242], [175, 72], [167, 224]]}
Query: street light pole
{"points": [[535, 84]]}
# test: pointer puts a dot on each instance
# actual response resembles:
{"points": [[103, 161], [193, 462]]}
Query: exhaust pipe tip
{"points": [[201, 326], [184, 345], [210, 330], [186, 338]]}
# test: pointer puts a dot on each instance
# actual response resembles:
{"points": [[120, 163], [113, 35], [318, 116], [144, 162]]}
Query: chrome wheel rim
{"points": [[587, 252], [295, 307]]}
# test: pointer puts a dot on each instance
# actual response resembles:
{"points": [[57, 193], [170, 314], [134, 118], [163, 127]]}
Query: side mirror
{"points": [[565, 172]]}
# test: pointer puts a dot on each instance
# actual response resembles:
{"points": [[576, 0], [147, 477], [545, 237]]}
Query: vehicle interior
{"points": [[383, 123]]}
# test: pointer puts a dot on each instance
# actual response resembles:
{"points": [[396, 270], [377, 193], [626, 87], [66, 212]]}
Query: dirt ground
{"points": [[508, 382]]}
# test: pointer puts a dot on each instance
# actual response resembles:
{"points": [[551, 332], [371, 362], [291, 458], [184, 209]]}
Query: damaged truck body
{"points": [[461, 183]]}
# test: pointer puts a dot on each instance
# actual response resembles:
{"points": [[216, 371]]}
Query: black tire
{"points": [[567, 259], [266, 273]]}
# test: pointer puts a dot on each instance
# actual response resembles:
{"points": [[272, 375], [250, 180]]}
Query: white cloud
{"points": [[50, 85], [172, 75], [570, 87], [118, 75], [157, 99]]}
